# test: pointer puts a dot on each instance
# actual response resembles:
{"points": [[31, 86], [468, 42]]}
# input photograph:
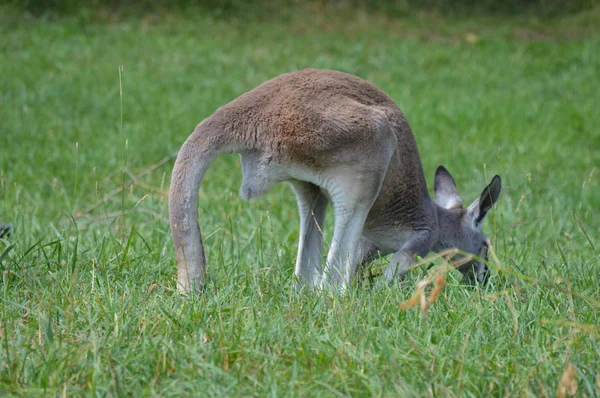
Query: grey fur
{"points": [[337, 139]]}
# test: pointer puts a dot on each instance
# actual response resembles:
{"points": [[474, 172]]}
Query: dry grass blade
{"points": [[411, 302], [582, 328], [129, 183], [116, 214], [440, 282], [582, 229], [419, 297], [567, 386], [437, 278]]}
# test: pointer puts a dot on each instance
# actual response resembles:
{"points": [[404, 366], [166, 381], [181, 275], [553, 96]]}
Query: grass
{"points": [[89, 305]]}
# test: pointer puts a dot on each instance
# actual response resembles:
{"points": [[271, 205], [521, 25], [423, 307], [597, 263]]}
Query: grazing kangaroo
{"points": [[335, 138]]}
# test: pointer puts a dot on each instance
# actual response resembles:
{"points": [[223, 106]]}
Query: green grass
{"points": [[89, 302]]}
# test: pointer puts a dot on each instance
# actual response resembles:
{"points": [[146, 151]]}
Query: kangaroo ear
{"points": [[489, 196], [446, 194]]}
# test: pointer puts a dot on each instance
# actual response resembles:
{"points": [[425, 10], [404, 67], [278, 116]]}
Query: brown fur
{"points": [[309, 123]]}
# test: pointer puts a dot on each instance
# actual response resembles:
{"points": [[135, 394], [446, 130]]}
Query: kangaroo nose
{"points": [[483, 273]]}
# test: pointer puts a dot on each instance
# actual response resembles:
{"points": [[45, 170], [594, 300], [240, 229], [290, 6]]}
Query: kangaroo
{"points": [[336, 139]]}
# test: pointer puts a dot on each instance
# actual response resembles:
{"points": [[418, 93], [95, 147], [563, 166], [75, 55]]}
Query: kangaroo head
{"points": [[462, 228]]}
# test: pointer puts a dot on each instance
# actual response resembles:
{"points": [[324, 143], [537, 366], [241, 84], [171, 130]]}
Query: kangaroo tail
{"points": [[206, 143]]}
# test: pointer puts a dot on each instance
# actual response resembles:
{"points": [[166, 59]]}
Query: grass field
{"points": [[91, 104]]}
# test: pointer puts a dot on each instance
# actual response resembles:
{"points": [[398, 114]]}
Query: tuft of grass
{"points": [[92, 110]]}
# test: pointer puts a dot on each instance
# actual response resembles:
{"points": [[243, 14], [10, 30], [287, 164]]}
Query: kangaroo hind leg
{"points": [[352, 195], [353, 186], [312, 205]]}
